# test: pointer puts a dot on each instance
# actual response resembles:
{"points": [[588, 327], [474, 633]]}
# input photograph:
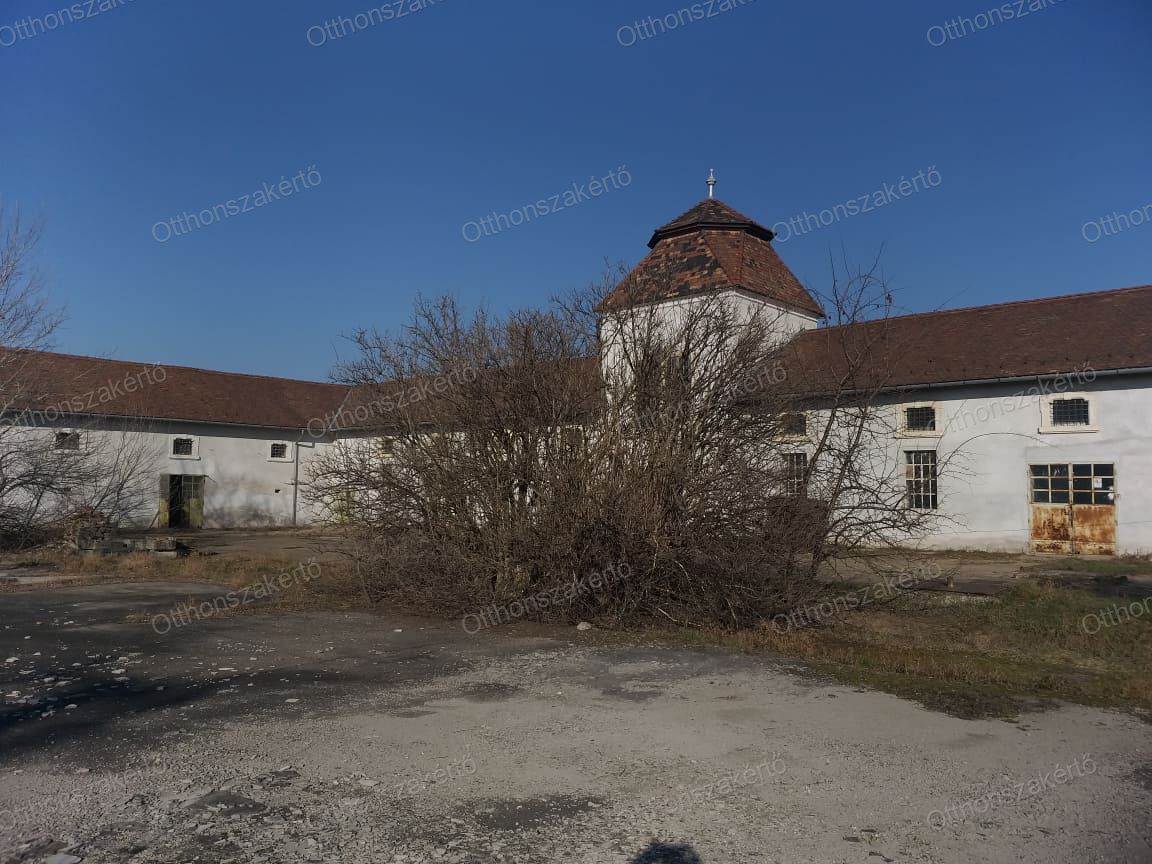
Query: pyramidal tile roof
{"points": [[709, 213], [711, 248]]}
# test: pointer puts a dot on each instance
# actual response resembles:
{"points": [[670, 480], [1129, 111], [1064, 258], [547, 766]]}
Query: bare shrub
{"points": [[547, 445]]}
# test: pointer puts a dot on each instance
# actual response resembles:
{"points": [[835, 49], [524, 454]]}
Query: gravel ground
{"points": [[342, 738]]}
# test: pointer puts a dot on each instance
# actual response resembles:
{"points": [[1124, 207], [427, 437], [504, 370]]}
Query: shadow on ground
{"points": [[665, 853]]}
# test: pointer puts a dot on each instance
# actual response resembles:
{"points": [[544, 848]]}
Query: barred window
{"points": [[920, 419], [182, 446], [1070, 412], [920, 477], [278, 451], [795, 473]]}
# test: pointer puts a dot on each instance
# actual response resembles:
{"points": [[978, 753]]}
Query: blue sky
{"points": [[418, 125]]}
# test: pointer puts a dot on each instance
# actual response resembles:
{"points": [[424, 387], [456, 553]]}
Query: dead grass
{"points": [[1029, 645], [334, 589]]}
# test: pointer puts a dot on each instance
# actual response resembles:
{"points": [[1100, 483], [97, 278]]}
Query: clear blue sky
{"points": [[423, 123]]}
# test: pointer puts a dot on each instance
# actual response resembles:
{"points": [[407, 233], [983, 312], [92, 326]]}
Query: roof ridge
{"points": [[734, 278], [1004, 304], [172, 366]]}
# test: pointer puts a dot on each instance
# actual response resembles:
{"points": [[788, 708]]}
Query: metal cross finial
{"points": [[711, 181]]}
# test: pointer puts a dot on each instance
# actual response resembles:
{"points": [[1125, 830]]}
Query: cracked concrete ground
{"points": [[350, 738]]}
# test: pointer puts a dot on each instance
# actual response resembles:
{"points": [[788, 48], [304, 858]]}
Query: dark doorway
{"points": [[182, 504]]}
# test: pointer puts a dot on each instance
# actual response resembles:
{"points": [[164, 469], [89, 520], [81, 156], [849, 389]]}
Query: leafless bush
{"points": [[599, 433]]}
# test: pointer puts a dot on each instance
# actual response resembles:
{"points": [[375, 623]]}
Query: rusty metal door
{"points": [[1073, 508]]}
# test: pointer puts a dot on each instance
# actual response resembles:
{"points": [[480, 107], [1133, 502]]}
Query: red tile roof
{"points": [[712, 248], [54, 384], [1101, 331]]}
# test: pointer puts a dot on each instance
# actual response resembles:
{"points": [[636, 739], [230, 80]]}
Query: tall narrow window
{"points": [[920, 477], [795, 473]]}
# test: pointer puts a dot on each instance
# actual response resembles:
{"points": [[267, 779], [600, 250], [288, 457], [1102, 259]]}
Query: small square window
{"points": [[1070, 412], [67, 440], [278, 451], [182, 446], [920, 419], [794, 423]]}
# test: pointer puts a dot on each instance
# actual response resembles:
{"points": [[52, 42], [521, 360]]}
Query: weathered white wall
{"points": [[671, 315], [997, 430], [243, 487], [989, 434]]}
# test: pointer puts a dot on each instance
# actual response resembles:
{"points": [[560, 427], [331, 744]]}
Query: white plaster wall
{"points": [[243, 487], [989, 435], [671, 315], [993, 432]]}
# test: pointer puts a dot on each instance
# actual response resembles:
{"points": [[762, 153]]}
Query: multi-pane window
{"points": [[795, 473], [1078, 483], [278, 451], [67, 440], [920, 477], [921, 418], [1070, 412], [182, 446]]}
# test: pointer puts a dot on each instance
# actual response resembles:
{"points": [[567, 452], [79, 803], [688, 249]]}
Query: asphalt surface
{"points": [[353, 738]]}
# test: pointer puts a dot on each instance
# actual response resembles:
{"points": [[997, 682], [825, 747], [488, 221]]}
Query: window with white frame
{"points": [[920, 479], [278, 451], [184, 447], [918, 418]]}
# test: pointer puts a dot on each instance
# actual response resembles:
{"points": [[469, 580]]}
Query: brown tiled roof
{"points": [[64, 383], [1101, 331], [712, 248], [709, 213]]}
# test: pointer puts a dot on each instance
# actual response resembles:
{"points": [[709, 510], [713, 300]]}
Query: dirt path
{"points": [[359, 739]]}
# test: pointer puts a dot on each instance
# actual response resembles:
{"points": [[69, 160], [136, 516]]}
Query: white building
{"points": [[224, 450], [1044, 405], [1049, 401]]}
